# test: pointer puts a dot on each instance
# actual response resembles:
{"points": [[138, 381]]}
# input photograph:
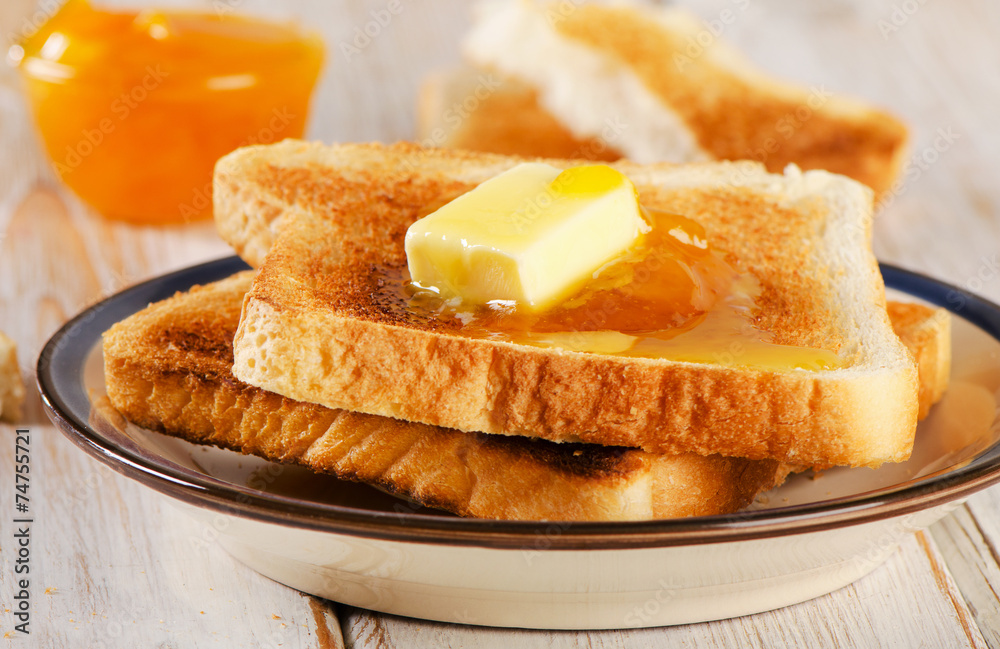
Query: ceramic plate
{"points": [[356, 545]]}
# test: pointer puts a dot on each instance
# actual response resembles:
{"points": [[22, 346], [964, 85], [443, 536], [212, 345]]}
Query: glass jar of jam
{"points": [[134, 108]]}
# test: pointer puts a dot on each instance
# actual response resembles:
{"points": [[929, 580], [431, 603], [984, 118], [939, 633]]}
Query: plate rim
{"points": [[201, 490]]}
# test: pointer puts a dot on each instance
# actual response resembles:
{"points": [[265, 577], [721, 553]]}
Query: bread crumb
{"points": [[11, 385], [52, 589], [275, 617]]}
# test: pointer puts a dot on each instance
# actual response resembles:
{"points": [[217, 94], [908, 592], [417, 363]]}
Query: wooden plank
{"points": [[969, 542], [115, 565]]}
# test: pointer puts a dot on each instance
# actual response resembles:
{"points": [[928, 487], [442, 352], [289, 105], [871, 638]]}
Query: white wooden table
{"points": [[114, 565]]}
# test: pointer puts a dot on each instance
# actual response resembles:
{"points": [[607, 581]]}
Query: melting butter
{"points": [[532, 235]]}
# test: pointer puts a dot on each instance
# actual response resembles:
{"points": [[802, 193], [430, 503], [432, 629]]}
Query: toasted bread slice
{"points": [[167, 368], [510, 121], [677, 92], [926, 332], [318, 327], [477, 110]]}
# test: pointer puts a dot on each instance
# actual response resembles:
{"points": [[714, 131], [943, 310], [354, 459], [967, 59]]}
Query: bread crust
{"points": [[167, 368], [735, 111], [926, 332], [315, 327]]}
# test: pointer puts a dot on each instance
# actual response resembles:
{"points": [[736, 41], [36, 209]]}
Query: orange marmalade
{"points": [[135, 108], [672, 295]]}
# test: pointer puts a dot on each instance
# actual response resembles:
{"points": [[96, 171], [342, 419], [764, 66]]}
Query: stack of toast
{"points": [[315, 358]]}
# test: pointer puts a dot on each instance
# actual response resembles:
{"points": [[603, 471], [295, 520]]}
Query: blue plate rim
{"points": [[59, 374]]}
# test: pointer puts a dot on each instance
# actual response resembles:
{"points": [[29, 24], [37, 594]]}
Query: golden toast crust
{"points": [[926, 332]]}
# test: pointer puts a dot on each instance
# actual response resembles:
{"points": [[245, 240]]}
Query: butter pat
{"points": [[532, 235]]}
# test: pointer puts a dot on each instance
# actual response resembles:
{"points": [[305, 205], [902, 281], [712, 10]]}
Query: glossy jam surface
{"points": [[135, 108], [672, 296]]}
